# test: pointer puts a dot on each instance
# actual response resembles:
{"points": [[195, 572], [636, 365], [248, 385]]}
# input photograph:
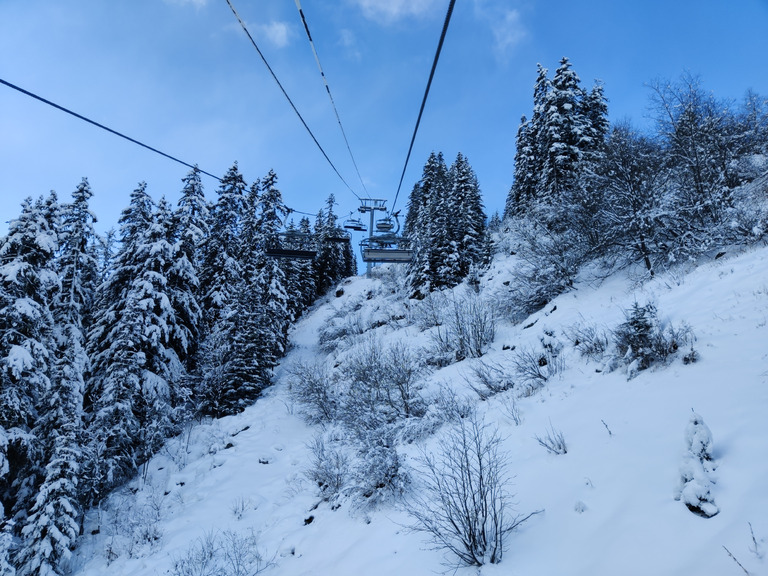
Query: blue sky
{"points": [[181, 76]]}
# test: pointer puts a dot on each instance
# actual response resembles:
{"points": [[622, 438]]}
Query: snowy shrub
{"points": [[379, 475], [240, 506], [511, 409], [383, 384], [222, 554], [489, 379], [536, 366], [429, 312], [463, 504], [329, 466], [695, 488], [549, 262], [340, 329], [554, 441], [590, 341], [451, 407], [468, 326], [313, 387], [642, 340]]}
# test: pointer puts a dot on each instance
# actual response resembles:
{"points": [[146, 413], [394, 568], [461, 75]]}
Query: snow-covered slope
{"points": [[608, 504]]}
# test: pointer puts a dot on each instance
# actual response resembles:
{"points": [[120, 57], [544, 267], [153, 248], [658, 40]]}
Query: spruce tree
{"points": [[28, 281], [221, 276], [425, 225], [52, 528], [190, 232]]}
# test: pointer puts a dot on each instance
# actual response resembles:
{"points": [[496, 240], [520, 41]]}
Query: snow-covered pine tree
{"points": [[221, 275], [268, 280], [50, 532], [113, 427], [133, 344], [299, 274], [334, 260], [425, 225], [27, 284], [306, 286], [52, 528], [563, 136], [159, 284], [190, 231], [696, 469], [523, 186], [469, 214], [221, 272], [530, 150], [244, 371]]}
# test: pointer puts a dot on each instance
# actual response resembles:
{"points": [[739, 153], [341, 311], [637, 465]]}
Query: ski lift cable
{"points": [[274, 76], [424, 100], [330, 96], [98, 125]]}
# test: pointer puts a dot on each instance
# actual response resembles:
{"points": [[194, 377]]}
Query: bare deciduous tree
{"points": [[464, 506]]}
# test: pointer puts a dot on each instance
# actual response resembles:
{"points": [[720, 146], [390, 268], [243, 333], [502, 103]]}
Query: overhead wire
{"points": [[330, 96], [424, 100], [274, 76], [97, 124]]}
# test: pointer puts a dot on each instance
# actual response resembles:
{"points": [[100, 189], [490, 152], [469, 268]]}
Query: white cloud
{"points": [[506, 24], [508, 31], [388, 11], [348, 41], [277, 33]]}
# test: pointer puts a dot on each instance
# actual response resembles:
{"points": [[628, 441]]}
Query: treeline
{"points": [[109, 345], [585, 190]]}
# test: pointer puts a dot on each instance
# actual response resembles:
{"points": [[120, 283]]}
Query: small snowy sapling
{"points": [[695, 488]]}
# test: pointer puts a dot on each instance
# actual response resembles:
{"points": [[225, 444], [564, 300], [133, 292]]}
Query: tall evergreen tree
{"points": [[469, 214], [269, 280], [564, 135], [190, 232], [221, 276], [135, 364], [425, 224], [334, 260], [27, 284], [51, 530]]}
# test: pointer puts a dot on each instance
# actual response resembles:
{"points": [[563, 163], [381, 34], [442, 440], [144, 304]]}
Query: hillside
{"points": [[239, 484]]}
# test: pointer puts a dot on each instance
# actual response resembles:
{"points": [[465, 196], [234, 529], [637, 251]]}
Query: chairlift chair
{"points": [[383, 249], [290, 246], [355, 224]]}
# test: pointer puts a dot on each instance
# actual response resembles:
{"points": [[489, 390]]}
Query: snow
{"points": [[609, 503]]}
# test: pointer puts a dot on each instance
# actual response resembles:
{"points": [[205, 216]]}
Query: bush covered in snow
{"points": [[642, 339], [696, 469]]}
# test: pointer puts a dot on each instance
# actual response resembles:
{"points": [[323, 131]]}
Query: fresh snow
{"points": [[608, 505]]}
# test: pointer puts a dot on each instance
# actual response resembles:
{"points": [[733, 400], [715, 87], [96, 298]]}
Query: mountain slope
{"points": [[608, 504]]}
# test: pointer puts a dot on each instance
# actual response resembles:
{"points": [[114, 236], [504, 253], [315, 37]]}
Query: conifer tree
{"points": [[190, 231], [268, 280], [425, 224], [221, 276], [52, 528], [469, 215], [133, 343], [334, 260], [27, 284]]}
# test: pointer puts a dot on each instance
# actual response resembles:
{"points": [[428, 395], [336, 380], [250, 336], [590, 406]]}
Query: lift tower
{"points": [[371, 205]]}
